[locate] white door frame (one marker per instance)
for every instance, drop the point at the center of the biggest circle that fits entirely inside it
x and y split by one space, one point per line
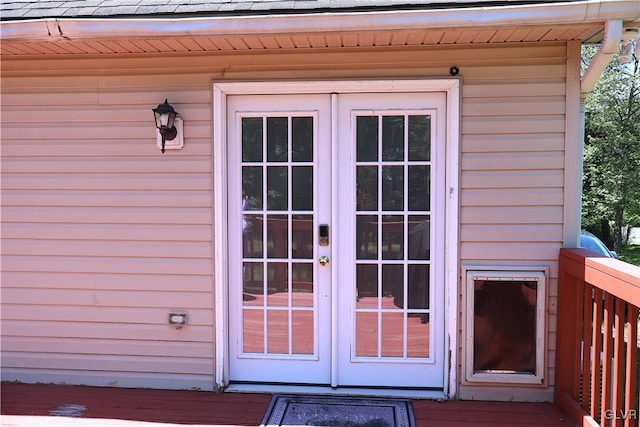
451 87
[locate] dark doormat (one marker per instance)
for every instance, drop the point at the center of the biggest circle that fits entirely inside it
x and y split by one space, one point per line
318 411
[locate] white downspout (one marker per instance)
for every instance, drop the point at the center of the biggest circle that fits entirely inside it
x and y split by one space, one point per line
610 45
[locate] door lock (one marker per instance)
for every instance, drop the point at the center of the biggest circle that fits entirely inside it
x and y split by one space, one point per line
323 235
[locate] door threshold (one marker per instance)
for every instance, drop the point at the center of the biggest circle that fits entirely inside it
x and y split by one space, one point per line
339 391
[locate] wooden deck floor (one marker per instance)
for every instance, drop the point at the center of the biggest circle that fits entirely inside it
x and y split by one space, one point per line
27 405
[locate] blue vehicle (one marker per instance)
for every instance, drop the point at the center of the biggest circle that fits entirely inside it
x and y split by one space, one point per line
592 243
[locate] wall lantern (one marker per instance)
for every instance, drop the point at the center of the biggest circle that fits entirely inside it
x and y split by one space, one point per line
169 126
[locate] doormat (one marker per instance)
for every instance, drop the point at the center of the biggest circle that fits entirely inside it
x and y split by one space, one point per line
319 411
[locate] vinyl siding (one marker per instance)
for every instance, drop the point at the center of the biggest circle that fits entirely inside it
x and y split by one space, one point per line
103 235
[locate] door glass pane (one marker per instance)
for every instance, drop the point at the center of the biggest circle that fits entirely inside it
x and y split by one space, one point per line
277 236
393 285
419 185
251 188
253 331
253 284
419 138
419 237
367 188
418 286
392 237
393 257
366 237
367 333
393 138
302 139
392 188
302 332
302 287
278 332
302 236
277 284
392 334
278 224
252 139
301 182
367 285
418 335
277 139
277 188
367 138
252 236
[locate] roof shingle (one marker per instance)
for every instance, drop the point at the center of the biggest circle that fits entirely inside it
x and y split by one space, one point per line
19 9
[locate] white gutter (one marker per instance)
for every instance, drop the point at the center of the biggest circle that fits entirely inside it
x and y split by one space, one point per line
608 48
537 14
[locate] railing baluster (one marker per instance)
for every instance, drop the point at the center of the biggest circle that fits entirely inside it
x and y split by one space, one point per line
595 354
607 349
587 322
631 382
618 359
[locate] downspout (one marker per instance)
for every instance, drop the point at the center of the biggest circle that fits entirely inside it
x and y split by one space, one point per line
609 47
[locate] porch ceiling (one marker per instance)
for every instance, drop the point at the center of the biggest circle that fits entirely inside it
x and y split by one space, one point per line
176 44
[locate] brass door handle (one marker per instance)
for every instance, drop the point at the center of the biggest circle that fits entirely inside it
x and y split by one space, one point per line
324 260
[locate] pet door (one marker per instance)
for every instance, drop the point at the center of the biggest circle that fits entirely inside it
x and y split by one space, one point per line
505 326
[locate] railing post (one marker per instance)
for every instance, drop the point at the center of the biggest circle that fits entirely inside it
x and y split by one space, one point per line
568 334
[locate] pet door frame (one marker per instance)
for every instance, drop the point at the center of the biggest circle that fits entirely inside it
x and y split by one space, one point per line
506 274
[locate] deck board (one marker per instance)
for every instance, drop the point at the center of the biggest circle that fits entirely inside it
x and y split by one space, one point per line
29 405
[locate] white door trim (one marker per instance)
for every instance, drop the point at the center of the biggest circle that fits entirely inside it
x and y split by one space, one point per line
220 239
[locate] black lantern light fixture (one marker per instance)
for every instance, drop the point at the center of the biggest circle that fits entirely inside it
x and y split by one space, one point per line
165 117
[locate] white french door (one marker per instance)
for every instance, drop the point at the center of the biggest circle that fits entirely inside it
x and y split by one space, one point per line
279 295
336 239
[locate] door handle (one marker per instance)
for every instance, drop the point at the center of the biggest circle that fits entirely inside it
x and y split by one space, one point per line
324 260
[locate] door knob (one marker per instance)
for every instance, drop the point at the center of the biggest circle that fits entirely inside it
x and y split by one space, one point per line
324 260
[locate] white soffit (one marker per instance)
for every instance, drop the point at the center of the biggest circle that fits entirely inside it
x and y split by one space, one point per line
224 43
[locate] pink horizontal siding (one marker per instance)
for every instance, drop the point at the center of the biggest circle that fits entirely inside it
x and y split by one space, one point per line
103 235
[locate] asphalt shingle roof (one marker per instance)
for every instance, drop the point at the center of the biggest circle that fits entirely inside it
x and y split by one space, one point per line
35 9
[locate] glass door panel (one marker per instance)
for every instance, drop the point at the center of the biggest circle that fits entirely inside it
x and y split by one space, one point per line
392 235
390 277
278 279
367 301
274 294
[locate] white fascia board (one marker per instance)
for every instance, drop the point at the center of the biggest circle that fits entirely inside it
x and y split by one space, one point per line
537 14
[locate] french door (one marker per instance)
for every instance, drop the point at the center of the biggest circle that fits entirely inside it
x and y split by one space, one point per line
336 239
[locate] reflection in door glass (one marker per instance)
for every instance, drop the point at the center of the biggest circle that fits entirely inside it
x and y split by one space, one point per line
252 139
392 138
302 137
367 138
278 289
251 188
302 236
393 188
277 139
419 138
277 236
277 188
367 188
301 183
